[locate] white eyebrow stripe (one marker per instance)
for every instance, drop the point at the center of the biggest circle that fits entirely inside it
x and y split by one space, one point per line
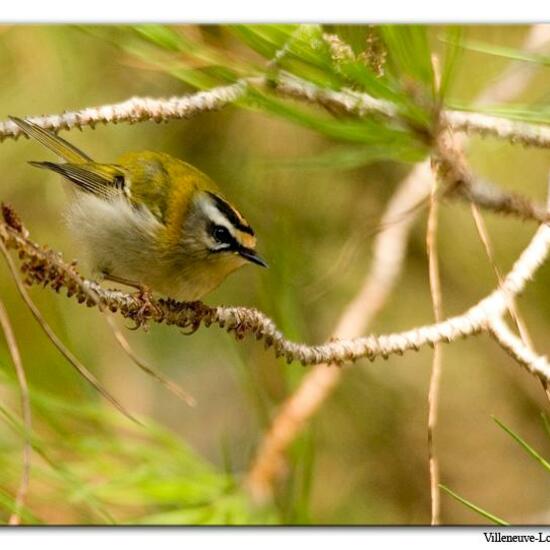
217 217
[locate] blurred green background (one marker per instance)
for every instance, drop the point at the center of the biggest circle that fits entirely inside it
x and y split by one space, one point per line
363 459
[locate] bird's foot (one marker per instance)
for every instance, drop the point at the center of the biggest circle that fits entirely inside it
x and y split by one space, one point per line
147 309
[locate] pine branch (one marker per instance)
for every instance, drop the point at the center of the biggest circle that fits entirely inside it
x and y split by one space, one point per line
47 268
140 109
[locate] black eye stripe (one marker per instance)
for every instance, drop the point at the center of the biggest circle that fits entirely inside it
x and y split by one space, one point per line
225 238
228 211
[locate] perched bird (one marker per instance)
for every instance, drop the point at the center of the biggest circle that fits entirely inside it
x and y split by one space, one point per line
150 220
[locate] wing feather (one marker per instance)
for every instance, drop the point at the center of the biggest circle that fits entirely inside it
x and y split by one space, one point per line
103 180
106 181
53 142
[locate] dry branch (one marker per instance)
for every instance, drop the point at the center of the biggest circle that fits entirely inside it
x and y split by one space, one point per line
524 355
47 268
437 360
485 240
514 131
135 109
139 109
459 182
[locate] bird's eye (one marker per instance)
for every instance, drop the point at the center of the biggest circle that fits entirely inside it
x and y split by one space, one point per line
221 234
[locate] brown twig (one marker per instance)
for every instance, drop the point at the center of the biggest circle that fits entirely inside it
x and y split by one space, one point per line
458 182
11 342
139 109
45 267
537 365
486 241
490 197
512 306
435 377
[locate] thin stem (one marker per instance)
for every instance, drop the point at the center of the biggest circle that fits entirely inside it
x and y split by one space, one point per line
46 268
140 109
435 378
82 370
486 241
523 355
170 385
512 306
26 408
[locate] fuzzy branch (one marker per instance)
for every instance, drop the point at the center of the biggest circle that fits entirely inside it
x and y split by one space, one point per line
536 135
47 268
523 354
139 109
459 182
345 101
135 109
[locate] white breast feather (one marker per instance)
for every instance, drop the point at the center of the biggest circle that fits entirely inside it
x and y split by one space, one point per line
118 237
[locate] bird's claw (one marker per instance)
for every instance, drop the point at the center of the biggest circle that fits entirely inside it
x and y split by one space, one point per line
148 308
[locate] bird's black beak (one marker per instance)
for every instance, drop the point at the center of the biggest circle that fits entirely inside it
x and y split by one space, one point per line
252 256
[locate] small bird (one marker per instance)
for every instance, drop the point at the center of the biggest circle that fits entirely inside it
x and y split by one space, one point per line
150 221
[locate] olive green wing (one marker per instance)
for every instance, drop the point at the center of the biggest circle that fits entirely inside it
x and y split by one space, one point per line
164 184
52 141
105 181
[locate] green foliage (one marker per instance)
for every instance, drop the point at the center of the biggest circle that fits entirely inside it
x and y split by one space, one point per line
487 515
454 37
347 157
110 470
304 51
502 51
526 447
534 111
409 53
